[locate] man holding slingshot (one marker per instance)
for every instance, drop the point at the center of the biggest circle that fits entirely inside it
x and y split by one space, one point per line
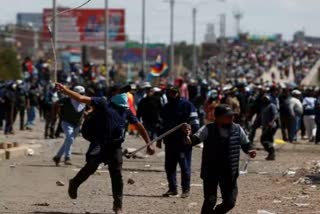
107 135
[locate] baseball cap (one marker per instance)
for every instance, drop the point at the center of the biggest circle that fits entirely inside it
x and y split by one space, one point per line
223 110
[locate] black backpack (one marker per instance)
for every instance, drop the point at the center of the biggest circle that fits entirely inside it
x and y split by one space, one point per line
92 127
88 130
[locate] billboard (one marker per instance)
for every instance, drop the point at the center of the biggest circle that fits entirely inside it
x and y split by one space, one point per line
134 55
27 19
86 25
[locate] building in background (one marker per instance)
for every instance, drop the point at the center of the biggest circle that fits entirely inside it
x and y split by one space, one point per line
33 20
210 36
300 37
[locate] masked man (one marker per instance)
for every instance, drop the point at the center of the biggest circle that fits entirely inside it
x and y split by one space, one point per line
108 130
177 150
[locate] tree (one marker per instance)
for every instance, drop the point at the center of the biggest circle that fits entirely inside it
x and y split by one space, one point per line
9 64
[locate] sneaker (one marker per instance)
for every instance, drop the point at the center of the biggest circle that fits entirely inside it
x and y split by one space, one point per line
117 210
170 193
185 194
271 157
72 190
56 160
68 162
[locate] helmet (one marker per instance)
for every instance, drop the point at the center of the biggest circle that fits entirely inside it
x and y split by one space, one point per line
79 89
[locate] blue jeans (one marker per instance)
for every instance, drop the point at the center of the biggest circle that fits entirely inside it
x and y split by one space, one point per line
172 159
71 133
298 122
292 129
31 115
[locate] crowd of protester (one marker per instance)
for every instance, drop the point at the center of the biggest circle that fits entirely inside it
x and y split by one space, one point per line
151 109
254 60
297 106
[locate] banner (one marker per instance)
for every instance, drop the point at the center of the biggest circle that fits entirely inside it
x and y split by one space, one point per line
86 25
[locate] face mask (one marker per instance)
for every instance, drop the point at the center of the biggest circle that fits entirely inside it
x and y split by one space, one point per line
120 100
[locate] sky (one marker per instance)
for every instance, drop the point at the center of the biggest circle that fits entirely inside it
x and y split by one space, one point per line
260 17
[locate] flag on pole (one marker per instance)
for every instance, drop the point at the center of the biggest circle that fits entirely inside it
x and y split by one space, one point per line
160 68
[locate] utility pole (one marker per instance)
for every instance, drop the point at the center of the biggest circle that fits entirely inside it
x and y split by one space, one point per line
35 41
222 46
106 39
54 36
171 36
144 54
194 57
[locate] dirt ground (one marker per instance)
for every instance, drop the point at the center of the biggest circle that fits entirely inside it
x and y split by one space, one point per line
28 183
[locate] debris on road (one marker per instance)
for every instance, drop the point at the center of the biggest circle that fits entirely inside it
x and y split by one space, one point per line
289 173
277 201
308 175
263 173
60 183
264 212
131 181
302 204
303 180
29 152
45 204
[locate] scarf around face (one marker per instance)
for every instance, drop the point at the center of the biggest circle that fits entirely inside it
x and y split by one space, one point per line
120 100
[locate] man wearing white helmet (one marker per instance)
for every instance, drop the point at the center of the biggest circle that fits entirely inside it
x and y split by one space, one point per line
296 111
71 112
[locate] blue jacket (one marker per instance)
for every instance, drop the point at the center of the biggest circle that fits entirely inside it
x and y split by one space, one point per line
174 113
